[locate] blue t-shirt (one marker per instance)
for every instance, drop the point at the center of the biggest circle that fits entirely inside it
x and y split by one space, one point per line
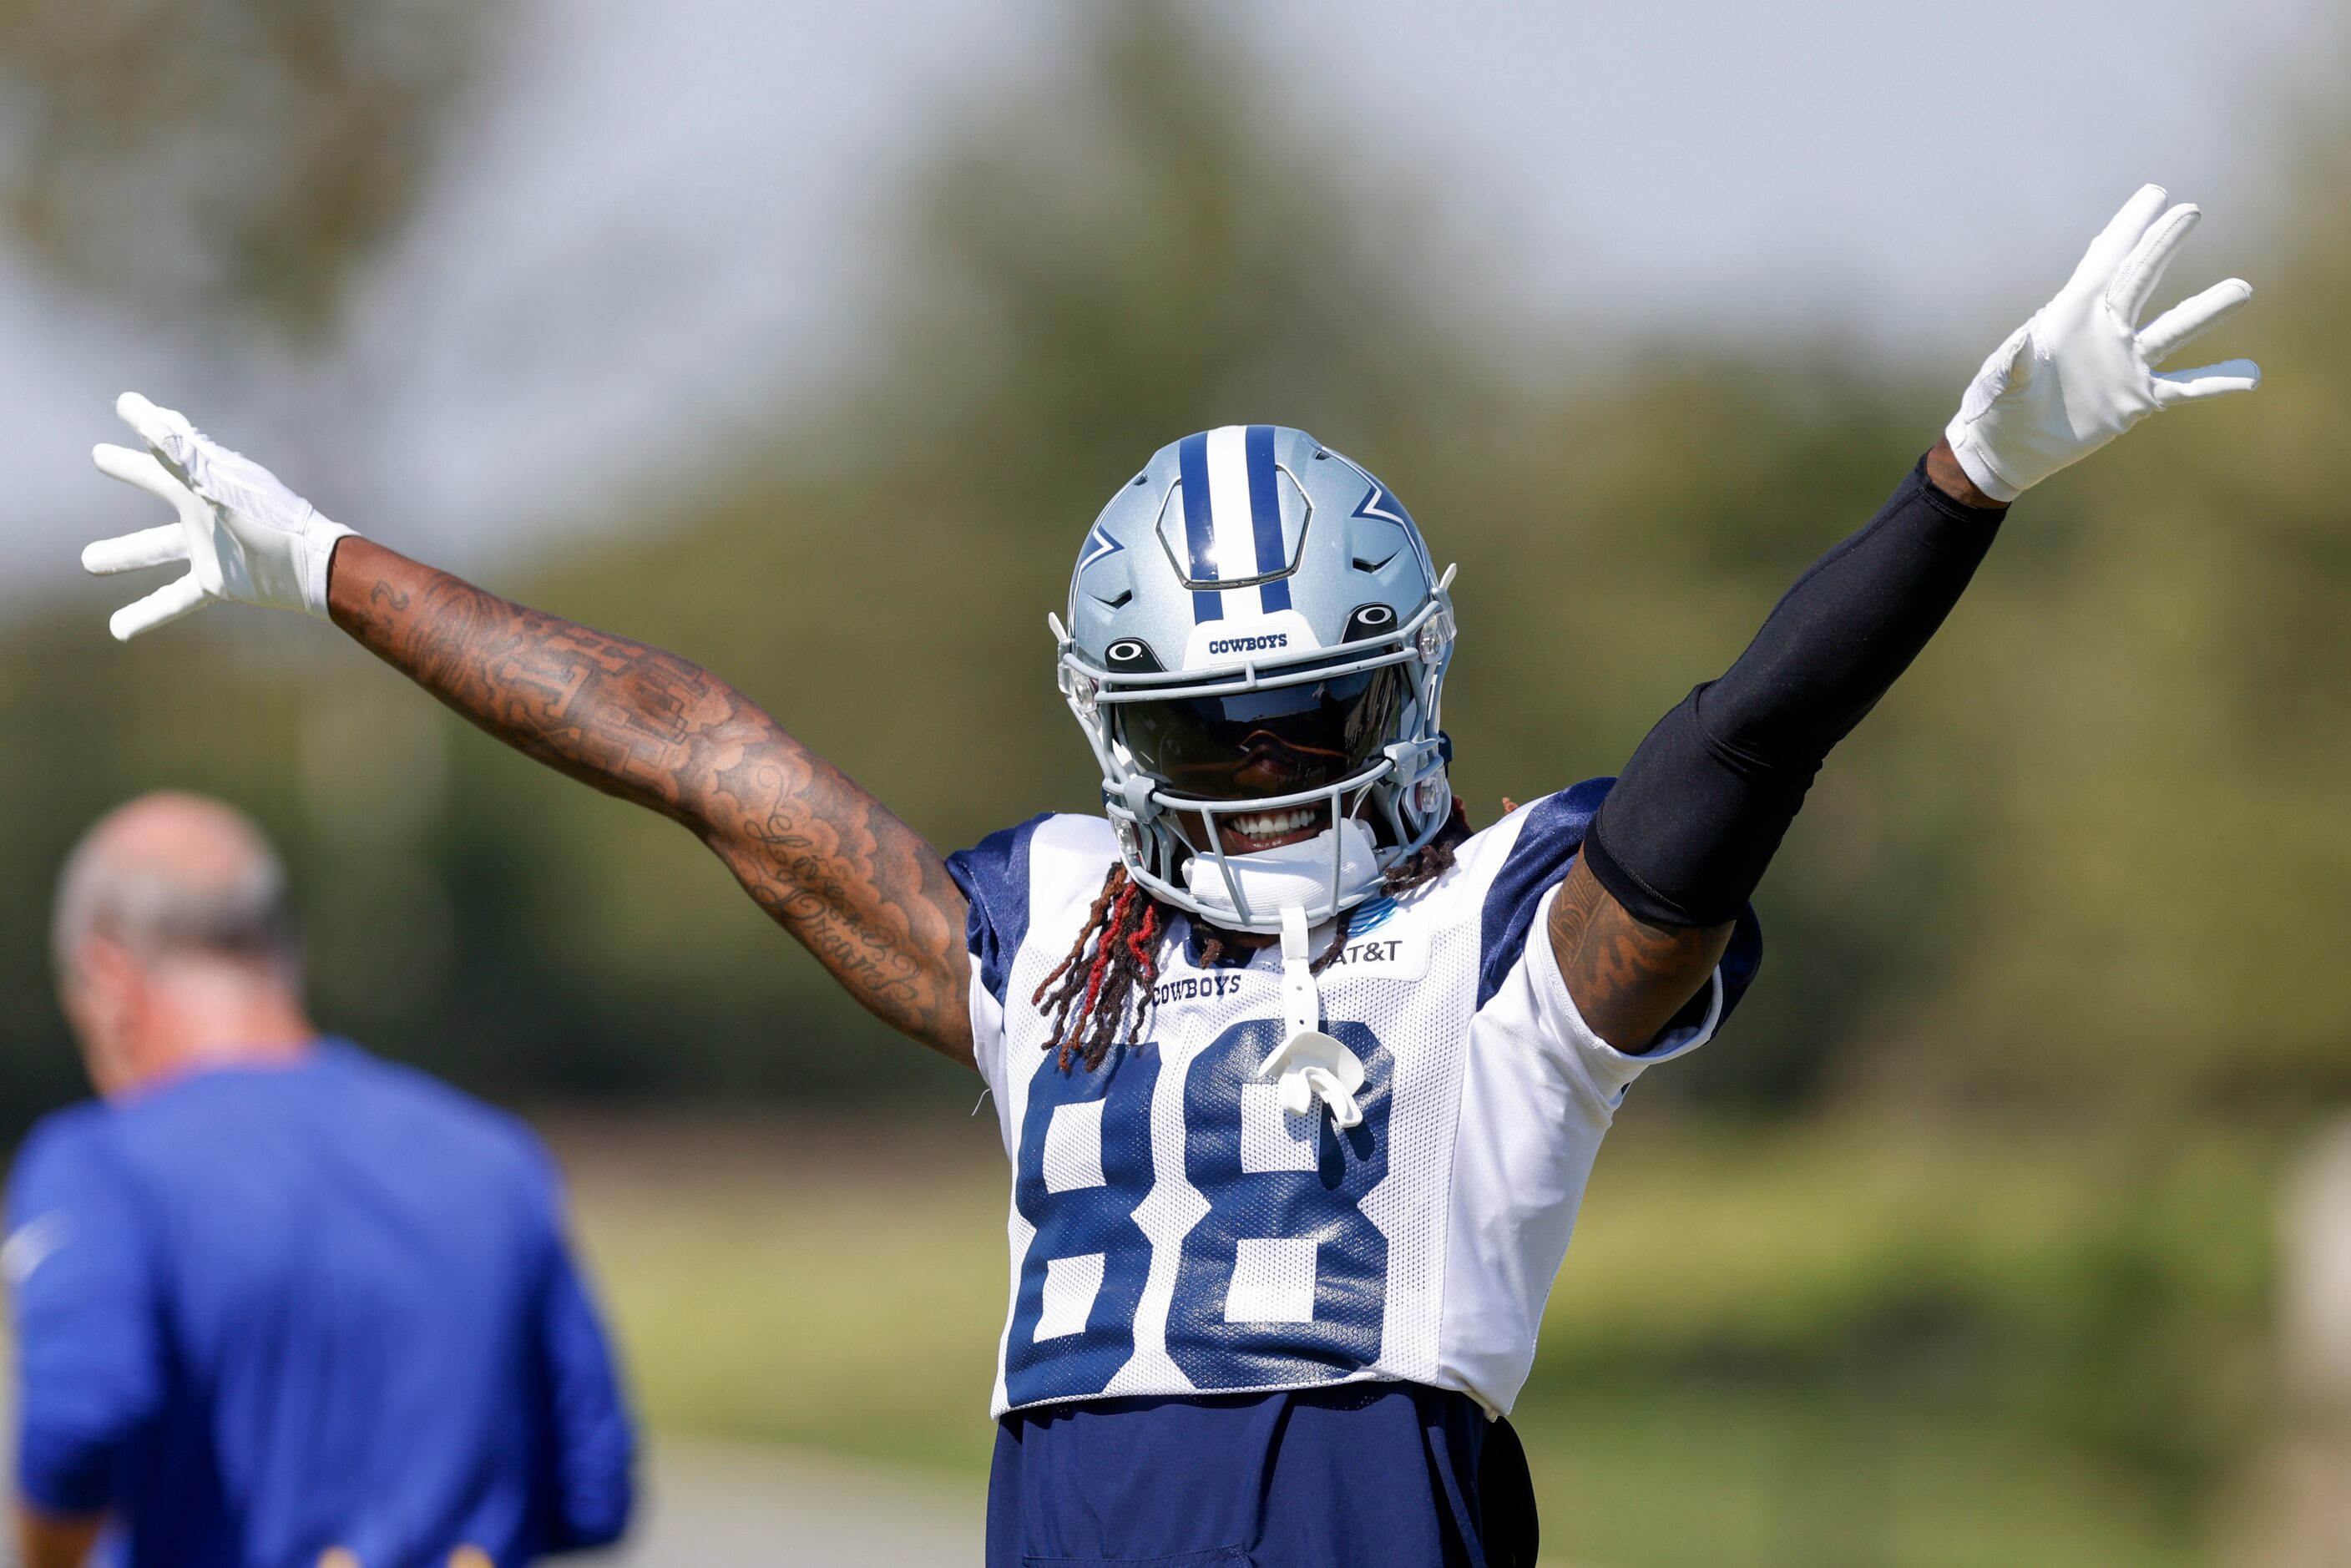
261 1312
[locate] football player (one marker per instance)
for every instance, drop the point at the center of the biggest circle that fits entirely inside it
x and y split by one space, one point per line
1299 1076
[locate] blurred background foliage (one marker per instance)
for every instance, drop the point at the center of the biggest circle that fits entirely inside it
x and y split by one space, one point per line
1826 1343
2089 852
147 156
1959 1249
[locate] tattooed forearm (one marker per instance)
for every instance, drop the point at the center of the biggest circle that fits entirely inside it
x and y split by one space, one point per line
1628 977
827 861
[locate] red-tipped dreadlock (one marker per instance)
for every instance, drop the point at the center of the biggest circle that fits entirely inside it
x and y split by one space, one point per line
1114 966
1089 998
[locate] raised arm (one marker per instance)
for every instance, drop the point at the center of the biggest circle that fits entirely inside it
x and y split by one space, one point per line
1648 908
857 886
831 863
1686 833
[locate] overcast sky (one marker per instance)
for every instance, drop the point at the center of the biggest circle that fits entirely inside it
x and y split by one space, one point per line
673 200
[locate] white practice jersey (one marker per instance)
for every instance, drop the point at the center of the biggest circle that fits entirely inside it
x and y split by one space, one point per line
1174 1231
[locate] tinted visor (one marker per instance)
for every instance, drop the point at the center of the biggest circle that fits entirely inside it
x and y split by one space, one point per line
1281 740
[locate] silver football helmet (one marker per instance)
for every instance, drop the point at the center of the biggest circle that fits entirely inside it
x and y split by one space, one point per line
1255 645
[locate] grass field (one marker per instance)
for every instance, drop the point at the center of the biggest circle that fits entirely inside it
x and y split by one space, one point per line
1836 1344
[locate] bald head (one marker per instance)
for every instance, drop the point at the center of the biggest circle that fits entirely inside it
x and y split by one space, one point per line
171 876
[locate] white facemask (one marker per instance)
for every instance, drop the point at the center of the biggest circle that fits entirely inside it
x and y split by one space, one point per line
1291 876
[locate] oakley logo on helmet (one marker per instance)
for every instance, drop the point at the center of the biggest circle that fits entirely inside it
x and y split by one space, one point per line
1131 655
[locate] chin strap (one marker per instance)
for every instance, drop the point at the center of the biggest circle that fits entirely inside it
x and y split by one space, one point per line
1309 1063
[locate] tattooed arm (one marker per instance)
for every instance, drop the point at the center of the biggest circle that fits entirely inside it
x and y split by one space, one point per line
1628 976
859 888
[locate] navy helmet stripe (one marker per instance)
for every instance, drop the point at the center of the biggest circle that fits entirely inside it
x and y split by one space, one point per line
1199 518
1199 524
1265 516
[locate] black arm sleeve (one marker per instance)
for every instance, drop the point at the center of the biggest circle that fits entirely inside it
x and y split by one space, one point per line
1683 837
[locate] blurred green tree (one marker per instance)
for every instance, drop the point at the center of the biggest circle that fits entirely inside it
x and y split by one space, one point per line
229 161
2158 913
1131 251
2089 848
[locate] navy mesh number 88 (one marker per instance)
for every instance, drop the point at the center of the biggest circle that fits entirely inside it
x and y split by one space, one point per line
1074 1320
1286 1273
1283 1280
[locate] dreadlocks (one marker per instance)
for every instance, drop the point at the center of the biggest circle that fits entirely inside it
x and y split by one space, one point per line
1111 968
1089 998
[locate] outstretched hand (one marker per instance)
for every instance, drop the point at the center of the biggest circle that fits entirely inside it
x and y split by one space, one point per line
2083 370
243 533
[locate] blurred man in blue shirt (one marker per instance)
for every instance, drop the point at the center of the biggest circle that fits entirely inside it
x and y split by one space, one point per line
277 1303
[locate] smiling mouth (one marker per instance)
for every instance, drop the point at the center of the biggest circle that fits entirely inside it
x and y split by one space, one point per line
1247 831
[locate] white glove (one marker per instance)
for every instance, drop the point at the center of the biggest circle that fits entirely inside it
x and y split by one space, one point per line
244 535
2081 372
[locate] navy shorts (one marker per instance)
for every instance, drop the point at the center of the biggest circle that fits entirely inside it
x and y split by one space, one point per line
1327 1478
